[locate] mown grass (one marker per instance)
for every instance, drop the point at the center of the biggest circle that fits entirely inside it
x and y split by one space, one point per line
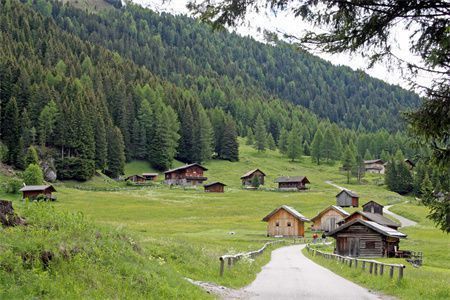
190 229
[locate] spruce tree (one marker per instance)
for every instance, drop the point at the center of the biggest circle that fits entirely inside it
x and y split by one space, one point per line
329 146
390 176
185 151
31 156
260 134
33 175
368 155
10 131
101 145
404 178
250 137
426 189
47 122
316 147
271 142
230 146
116 152
206 135
283 141
348 162
294 144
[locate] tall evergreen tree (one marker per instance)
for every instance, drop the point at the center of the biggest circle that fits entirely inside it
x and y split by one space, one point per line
283 141
271 142
116 152
329 146
317 147
31 156
294 144
206 135
230 146
348 162
47 122
101 145
250 137
185 148
11 131
260 134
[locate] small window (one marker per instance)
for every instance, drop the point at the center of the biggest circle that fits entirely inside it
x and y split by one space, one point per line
370 245
277 224
289 224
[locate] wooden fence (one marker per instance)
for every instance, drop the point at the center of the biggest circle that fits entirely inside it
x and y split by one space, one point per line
375 267
232 259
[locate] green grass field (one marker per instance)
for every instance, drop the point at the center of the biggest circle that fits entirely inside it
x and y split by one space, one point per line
189 229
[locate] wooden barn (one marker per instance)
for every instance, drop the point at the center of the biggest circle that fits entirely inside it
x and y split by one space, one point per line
138 179
150 176
285 222
374 166
328 219
186 175
292 183
33 191
347 198
374 217
214 187
361 238
373 207
248 178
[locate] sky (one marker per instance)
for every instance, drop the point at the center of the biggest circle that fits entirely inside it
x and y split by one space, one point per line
285 22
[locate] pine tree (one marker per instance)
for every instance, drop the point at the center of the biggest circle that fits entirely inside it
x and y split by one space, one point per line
230 146
47 122
390 176
250 137
294 144
316 147
329 146
206 135
283 141
359 168
11 132
368 155
271 142
185 151
404 178
31 156
426 189
33 175
101 145
260 134
116 152
384 156
419 177
348 162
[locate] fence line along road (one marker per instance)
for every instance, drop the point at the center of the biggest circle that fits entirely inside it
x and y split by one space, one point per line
375 267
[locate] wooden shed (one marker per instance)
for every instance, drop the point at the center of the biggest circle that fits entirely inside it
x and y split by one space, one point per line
248 178
292 183
328 219
285 221
33 191
360 238
380 219
215 187
374 166
373 207
150 176
138 179
191 174
347 198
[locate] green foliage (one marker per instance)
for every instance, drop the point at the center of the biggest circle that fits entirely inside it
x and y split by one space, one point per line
294 144
33 175
283 141
271 142
317 147
398 178
329 146
260 134
348 162
47 122
31 156
12 185
75 168
255 182
10 130
250 137
116 153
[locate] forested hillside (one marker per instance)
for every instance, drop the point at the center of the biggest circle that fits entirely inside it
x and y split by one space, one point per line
84 107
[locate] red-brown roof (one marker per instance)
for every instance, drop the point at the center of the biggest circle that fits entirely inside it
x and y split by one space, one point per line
186 167
251 172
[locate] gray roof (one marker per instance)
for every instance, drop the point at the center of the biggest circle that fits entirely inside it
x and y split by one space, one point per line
185 167
149 174
371 201
137 175
380 219
291 179
373 225
372 161
251 172
29 188
213 183
290 210
336 208
351 193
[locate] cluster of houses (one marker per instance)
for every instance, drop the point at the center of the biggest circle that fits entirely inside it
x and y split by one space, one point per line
193 175
366 233
378 166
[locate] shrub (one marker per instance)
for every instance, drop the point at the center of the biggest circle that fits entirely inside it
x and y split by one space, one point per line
33 175
12 185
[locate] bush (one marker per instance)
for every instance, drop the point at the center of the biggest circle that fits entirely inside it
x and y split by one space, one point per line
33 175
75 168
12 185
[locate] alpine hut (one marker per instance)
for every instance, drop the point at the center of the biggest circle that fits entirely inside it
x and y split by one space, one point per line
374 166
361 238
347 198
215 187
285 221
373 207
191 174
150 176
34 191
328 219
251 177
138 179
293 183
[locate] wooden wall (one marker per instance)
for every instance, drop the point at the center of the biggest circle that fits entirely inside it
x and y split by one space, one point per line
282 217
328 221
360 241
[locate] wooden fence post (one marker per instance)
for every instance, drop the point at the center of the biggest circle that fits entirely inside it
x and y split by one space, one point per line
391 272
356 263
222 263
230 263
371 268
381 269
400 273
376 269
364 265
350 262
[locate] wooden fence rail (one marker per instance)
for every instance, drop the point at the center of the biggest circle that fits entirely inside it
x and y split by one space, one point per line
374 267
232 259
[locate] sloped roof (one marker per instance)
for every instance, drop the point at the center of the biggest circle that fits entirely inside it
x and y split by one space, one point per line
371 201
372 161
373 225
137 175
214 183
251 172
290 210
37 188
149 174
186 167
407 160
351 193
333 207
380 219
292 179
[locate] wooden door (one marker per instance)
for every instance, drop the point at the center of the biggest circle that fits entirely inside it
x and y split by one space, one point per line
353 247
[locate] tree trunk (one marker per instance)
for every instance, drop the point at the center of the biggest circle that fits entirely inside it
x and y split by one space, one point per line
7 215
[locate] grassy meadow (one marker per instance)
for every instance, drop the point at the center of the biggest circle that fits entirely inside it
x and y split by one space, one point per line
188 229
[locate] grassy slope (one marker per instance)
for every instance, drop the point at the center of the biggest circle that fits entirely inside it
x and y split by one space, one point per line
190 229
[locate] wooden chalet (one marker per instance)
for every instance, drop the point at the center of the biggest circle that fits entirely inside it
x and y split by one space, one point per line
215 187
292 183
186 175
150 176
248 178
368 216
374 166
347 198
138 179
361 238
285 221
373 207
33 191
328 219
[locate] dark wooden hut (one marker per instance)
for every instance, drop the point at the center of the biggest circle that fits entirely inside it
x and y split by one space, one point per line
292 183
186 175
150 176
374 166
285 221
33 191
215 187
361 238
138 179
347 198
373 207
368 216
248 178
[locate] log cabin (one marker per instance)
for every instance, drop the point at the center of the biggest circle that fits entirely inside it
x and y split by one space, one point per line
376 166
188 175
373 207
138 179
328 219
248 178
150 176
347 198
33 191
367 216
361 238
285 221
215 187
294 183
